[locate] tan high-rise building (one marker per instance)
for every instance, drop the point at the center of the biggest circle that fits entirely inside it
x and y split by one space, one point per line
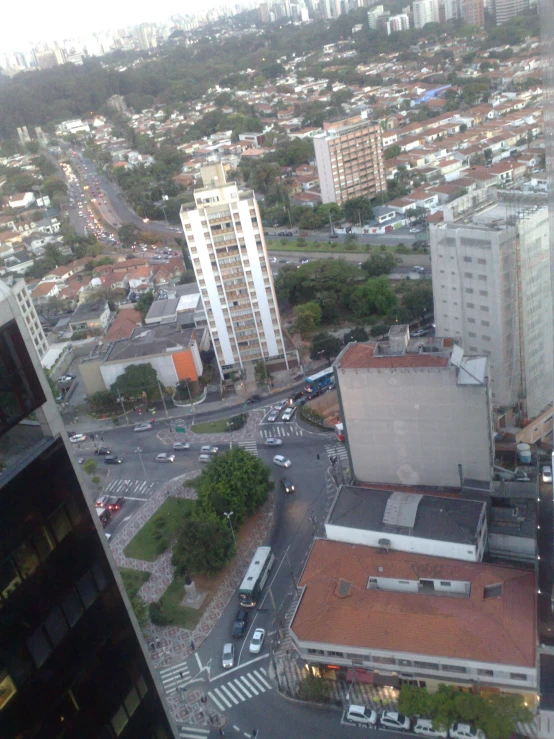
473 12
349 158
226 242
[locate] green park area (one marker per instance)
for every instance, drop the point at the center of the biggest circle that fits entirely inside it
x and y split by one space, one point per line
223 424
158 533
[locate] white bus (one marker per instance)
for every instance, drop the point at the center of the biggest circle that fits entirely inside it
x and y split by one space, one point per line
256 576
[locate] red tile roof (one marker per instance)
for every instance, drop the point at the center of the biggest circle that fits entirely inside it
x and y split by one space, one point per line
494 630
360 356
124 324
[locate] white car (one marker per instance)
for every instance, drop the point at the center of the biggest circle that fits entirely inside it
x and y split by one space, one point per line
143 427
177 445
415 230
424 727
281 461
207 449
361 715
270 441
257 641
288 414
272 416
280 405
77 437
394 720
273 260
228 656
547 474
465 731
164 457
418 268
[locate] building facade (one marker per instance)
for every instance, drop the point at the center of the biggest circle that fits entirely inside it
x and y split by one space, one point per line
425 11
491 289
400 22
415 412
226 242
505 10
473 12
72 662
350 161
29 315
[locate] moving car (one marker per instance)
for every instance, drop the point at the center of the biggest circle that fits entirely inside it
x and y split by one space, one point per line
296 396
361 715
278 459
287 485
207 449
272 416
102 450
116 503
74 438
417 268
143 427
228 656
280 405
547 474
241 622
178 445
418 332
165 457
257 641
394 720
102 502
112 460
415 230
288 414
271 441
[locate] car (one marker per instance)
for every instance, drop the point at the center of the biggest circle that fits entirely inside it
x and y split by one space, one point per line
272 441
301 401
257 641
418 332
114 504
424 727
281 233
302 261
207 449
273 260
315 394
254 398
180 445
75 438
420 244
165 457
415 230
112 460
287 485
102 450
361 715
102 502
228 656
418 268
143 427
281 461
296 396
240 624
283 261
80 460
288 414
394 720
66 378
547 474
464 731
272 416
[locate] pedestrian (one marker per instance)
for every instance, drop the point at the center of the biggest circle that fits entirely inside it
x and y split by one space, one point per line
221 732
152 646
181 675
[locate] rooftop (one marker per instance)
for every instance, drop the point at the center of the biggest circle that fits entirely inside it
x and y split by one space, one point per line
158 339
498 630
161 309
88 311
410 514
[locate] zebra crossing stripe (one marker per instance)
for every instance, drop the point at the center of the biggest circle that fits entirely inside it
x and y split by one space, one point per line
256 683
250 686
193 732
217 703
229 695
223 698
262 679
236 690
241 687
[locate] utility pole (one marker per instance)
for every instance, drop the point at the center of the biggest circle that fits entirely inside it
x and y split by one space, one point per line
163 399
277 618
120 398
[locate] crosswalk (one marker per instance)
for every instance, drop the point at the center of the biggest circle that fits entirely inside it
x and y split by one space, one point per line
240 689
193 732
175 677
130 488
336 450
250 446
280 430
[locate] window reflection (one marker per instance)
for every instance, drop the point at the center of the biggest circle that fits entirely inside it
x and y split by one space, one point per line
7 689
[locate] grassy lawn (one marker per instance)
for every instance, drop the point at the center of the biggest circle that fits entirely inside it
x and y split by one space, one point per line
133 580
211 427
157 534
337 247
174 613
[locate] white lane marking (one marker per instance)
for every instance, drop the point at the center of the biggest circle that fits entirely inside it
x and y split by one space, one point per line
262 679
248 694
237 691
253 679
251 687
223 698
218 704
240 667
229 695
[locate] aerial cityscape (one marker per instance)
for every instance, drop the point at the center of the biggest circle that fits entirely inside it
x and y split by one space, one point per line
277 371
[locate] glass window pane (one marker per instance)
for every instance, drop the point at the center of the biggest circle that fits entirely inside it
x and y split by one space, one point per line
55 626
72 608
120 721
43 543
99 576
7 689
9 579
132 701
60 523
40 647
26 559
141 687
73 509
87 590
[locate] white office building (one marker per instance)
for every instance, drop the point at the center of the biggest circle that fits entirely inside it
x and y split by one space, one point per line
425 11
226 242
30 316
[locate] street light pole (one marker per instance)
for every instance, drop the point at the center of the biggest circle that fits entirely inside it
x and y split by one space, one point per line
228 517
138 451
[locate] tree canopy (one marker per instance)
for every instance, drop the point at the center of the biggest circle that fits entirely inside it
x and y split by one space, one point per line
325 345
375 297
136 380
204 546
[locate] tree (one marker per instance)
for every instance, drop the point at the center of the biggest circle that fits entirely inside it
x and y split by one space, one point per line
262 374
315 689
380 264
204 546
392 151
325 345
136 380
129 234
144 303
54 185
307 317
358 210
235 481
416 300
90 466
357 333
376 297
414 701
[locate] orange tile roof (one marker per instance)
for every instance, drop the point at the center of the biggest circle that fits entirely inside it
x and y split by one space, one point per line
124 324
495 630
360 356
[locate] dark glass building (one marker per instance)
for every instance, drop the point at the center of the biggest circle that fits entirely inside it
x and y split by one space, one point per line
72 663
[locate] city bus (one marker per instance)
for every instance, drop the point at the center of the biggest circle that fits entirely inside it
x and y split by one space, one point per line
320 380
256 576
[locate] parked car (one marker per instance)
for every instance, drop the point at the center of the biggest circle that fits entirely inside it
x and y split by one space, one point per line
465 731
394 720
102 450
418 332
165 457
207 449
424 726
254 399
102 502
547 474
228 656
143 427
417 268
180 445
271 441
112 460
415 230
241 622
288 414
361 715
116 503
287 485
272 416
75 438
256 643
278 459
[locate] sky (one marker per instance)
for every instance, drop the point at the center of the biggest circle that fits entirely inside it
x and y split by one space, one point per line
42 21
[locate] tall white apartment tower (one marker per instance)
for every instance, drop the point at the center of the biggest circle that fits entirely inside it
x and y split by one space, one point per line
226 241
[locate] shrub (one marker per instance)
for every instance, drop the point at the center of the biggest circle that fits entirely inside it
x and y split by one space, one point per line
158 615
315 689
